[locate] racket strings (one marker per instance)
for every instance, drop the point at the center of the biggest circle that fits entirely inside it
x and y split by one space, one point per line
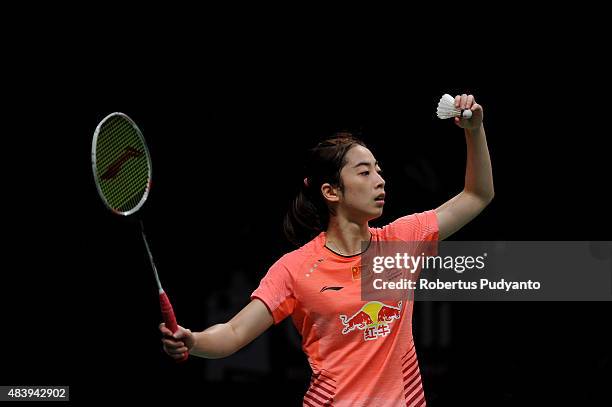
107 150
122 164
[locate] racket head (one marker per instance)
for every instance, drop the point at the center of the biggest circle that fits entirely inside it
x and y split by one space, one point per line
121 164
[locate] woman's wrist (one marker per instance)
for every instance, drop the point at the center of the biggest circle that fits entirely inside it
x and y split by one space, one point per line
194 345
475 130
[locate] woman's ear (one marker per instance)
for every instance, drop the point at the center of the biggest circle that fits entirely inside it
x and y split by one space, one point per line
330 193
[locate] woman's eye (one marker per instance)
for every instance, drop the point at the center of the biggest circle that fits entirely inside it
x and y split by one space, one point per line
365 173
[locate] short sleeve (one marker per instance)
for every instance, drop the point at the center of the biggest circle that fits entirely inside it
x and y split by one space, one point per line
276 291
419 227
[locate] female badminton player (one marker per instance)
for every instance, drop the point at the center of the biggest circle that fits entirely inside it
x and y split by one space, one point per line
361 353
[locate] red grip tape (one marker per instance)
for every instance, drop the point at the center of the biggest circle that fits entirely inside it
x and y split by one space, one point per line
169 317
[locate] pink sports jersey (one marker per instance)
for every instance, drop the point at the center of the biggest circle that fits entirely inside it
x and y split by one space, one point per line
361 352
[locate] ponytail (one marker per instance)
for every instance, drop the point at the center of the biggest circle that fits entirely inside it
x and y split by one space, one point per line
307 216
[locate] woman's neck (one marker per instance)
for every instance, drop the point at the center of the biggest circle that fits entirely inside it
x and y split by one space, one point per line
345 237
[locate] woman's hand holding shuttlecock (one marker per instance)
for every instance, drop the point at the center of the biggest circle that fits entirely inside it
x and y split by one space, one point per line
464 110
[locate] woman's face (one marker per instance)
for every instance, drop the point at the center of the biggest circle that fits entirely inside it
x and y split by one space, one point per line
363 195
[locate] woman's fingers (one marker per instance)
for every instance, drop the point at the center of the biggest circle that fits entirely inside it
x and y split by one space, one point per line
174 347
469 102
464 101
172 343
181 333
175 344
178 351
164 330
177 356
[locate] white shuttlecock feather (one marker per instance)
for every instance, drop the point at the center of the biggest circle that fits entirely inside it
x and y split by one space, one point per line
447 109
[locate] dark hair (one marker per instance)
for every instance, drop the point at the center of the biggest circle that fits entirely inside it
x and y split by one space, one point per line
309 214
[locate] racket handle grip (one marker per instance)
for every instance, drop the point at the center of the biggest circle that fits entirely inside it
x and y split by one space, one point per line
169 317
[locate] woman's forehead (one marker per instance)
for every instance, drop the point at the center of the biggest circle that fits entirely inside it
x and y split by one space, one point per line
359 154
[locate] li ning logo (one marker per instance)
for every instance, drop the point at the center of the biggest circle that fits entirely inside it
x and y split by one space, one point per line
113 170
374 319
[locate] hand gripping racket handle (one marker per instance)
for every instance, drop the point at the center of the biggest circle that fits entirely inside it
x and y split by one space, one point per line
169 318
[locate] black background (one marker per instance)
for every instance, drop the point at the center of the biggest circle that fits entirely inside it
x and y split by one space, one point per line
227 121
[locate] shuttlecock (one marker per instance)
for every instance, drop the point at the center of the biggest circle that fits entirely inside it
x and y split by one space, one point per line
447 109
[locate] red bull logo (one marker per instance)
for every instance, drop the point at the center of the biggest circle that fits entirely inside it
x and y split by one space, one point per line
373 319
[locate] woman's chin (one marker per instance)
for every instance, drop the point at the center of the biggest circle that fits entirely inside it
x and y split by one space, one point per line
377 214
